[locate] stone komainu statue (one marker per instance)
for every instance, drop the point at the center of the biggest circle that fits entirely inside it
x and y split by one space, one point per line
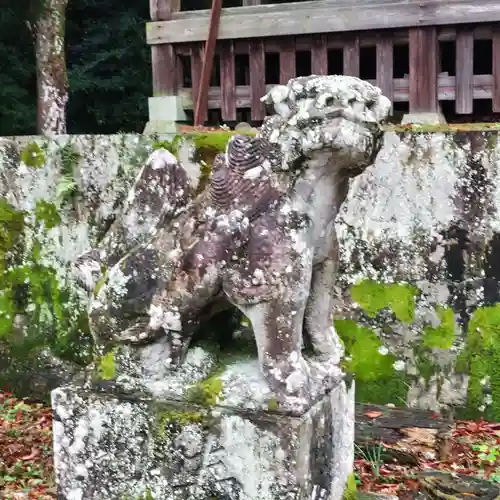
261 236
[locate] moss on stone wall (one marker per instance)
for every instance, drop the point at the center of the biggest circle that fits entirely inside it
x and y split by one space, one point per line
373 296
365 355
481 358
443 335
37 307
33 156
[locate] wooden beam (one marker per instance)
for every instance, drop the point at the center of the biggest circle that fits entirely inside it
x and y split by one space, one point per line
483 89
423 70
320 17
465 71
200 110
337 41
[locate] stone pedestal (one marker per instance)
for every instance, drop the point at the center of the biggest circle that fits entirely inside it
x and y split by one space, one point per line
164 113
117 443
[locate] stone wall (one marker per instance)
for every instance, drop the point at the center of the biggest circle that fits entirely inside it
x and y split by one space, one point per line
418 296
57 198
418 290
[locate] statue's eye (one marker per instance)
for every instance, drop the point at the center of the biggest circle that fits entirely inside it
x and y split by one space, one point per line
330 101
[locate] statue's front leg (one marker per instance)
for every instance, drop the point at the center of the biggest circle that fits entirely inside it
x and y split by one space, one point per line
270 285
319 313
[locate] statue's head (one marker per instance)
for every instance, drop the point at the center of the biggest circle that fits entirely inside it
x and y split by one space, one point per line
335 115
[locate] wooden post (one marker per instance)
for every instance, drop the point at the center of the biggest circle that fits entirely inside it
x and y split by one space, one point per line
496 70
423 90
464 84
162 55
385 67
257 79
228 81
319 55
351 57
287 60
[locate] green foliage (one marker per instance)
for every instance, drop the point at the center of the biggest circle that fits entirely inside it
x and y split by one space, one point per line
362 347
351 488
67 188
373 296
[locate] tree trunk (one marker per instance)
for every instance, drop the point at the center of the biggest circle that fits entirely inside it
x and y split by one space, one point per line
52 79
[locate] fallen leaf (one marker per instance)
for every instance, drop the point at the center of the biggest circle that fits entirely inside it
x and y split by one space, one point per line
372 413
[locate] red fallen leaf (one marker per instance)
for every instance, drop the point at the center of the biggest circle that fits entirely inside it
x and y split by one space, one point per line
32 455
372 413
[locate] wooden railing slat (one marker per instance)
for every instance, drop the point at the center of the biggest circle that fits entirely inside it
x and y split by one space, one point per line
351 57
287 60
446 84
465 71
423 70
257 79
319 55
496 70
196 65
385 67
228 81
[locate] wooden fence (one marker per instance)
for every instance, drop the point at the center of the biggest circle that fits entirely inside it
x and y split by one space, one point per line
433 51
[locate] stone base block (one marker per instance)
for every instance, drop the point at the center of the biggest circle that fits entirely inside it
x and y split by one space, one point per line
424 119
164 113
130 446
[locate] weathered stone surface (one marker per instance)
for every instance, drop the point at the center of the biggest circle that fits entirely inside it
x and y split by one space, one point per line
418 286
115 447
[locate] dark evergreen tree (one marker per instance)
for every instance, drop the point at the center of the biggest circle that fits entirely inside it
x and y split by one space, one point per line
108 64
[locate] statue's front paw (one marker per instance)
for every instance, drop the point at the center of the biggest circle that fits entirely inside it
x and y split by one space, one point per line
290 379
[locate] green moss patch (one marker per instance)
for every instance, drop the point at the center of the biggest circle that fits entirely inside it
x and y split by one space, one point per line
482 356
442 336
362 346
444 127
106 368
205 393
38 309
373 296
33 156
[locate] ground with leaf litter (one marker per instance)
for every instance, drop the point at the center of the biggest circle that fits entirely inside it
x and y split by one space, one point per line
26 469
